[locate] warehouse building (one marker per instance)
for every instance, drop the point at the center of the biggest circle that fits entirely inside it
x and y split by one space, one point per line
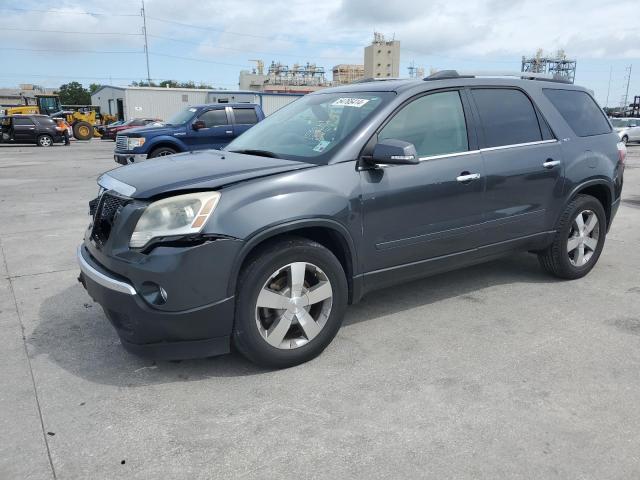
163 103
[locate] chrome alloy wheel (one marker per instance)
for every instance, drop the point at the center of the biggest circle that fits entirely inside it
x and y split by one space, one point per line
293 305
45 141
583 238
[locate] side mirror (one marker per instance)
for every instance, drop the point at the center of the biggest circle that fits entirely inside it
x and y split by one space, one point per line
198 124
395 152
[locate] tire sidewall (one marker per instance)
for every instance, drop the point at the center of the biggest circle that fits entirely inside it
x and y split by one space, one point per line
256 276
579 206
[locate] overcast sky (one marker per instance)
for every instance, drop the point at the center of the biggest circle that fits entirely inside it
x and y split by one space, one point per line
217 39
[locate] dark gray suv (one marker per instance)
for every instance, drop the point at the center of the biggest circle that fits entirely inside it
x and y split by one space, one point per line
345 191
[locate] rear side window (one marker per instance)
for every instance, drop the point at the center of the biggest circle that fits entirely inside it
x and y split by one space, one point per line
214 118
507 117
434 123
579 110
245 116
45 121
22 121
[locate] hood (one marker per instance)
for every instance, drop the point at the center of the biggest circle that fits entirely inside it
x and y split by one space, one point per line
192 171
156 129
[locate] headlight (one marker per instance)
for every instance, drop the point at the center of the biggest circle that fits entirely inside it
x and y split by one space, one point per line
180 215
134 142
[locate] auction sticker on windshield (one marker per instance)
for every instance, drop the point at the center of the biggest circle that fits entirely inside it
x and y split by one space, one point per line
350 102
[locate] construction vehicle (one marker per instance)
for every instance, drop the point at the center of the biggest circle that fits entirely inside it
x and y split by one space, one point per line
82 118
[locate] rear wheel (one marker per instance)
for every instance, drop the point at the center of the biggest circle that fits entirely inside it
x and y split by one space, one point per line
82 130
162 152
291 299
45 141
579 240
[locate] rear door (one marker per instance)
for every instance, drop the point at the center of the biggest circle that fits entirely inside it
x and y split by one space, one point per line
243 119
523 164
24 130
218 131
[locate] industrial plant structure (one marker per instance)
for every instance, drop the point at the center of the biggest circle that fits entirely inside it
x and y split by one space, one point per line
559 65
280 78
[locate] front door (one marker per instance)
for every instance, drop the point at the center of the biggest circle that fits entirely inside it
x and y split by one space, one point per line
217 131
24 130
414 213
523 163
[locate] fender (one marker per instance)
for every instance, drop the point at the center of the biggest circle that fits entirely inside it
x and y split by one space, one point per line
176 143
274 230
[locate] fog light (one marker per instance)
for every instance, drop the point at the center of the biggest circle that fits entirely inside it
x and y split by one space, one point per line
153 293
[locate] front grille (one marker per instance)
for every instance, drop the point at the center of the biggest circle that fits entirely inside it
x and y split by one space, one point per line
105 215
122 142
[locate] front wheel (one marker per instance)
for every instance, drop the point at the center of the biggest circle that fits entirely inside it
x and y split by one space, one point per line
290 302
162 152
578 241
82 130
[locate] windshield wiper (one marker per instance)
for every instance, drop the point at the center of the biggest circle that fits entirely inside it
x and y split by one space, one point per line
260 153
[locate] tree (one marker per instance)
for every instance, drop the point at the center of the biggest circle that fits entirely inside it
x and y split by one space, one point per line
73 93
93 88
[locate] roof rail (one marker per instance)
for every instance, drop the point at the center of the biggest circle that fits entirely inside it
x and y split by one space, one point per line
524 75
372 79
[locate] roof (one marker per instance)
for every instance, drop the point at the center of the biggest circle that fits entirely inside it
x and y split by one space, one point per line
403 85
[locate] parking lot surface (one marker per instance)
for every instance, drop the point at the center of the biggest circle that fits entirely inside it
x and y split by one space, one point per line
494 371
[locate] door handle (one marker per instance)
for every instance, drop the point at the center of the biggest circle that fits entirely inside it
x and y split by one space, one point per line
466 177
229 132
551 163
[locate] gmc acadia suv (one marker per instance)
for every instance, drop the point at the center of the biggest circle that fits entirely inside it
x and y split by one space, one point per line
345 191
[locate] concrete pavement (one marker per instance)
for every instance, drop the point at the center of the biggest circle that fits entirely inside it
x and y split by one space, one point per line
494 371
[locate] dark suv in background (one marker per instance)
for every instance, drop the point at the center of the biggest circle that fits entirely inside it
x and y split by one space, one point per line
35 129
345 191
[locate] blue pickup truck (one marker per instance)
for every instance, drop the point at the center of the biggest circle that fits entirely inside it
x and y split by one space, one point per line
195 128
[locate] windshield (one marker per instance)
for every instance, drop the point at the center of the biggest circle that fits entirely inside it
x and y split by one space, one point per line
619 122
311 127
182 117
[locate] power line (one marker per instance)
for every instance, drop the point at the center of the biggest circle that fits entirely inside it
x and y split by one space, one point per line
66 31
275 54
58 50
242 34
198 60
70 12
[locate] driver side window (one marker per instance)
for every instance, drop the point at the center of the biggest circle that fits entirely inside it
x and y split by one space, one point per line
434 123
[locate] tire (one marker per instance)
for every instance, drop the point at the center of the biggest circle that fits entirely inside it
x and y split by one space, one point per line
625 139
162 152
83 131
45 141
299 342
562 262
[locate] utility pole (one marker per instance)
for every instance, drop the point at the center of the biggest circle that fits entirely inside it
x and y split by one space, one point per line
626 94
606 104
146 44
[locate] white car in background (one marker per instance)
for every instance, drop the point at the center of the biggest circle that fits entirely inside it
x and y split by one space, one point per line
628 129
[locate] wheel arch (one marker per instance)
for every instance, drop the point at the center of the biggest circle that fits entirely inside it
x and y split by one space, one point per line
166 142
328 233
600 189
